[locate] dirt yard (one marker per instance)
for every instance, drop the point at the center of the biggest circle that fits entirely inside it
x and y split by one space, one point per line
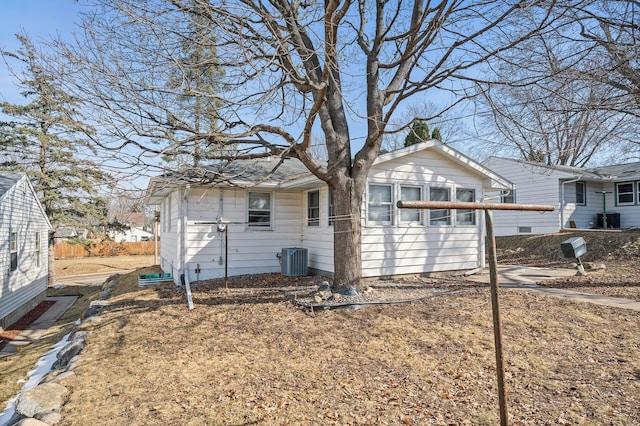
250 355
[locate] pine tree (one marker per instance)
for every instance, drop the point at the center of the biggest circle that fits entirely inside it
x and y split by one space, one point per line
45 138
436 134
419 133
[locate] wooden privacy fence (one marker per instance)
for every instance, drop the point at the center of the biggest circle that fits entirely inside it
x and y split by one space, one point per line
103 248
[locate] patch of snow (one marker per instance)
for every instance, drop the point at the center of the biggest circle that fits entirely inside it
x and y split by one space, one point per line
35 376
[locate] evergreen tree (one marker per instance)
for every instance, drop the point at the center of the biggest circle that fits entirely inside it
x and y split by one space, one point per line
436 134
44 139
419 133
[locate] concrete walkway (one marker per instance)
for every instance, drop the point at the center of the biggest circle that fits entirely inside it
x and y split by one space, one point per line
526 277
41 325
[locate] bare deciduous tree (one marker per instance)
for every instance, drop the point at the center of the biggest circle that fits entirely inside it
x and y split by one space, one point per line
290 68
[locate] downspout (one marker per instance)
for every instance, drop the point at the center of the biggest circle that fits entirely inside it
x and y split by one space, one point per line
185 217
562 201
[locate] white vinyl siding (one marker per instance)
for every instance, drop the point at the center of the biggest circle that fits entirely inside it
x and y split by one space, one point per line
25 279
422 248
534 185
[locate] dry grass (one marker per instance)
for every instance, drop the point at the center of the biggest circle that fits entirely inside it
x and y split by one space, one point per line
253 357
92 265
15 367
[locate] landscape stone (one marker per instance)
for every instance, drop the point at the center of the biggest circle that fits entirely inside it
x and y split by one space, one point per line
51 418
29 421
64 379
69 351
41 400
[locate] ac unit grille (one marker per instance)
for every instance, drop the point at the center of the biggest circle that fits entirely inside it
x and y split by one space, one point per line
294 261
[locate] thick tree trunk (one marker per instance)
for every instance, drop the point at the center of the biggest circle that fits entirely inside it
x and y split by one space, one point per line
347 256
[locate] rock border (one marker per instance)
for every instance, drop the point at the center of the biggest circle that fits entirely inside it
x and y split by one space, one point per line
41 405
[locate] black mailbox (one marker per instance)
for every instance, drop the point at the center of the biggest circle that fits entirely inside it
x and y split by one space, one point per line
574 247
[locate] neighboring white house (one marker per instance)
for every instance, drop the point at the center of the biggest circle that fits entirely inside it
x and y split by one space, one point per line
292 208
24 233
132 235
584 198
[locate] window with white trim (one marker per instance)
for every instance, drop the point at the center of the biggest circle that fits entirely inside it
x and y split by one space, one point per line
508 197
313 208
380 205
625 193
581 194
13 250
440 216
465 216
259 210
410 193
37 251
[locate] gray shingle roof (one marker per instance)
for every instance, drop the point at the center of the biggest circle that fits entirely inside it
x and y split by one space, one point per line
7 180
243 171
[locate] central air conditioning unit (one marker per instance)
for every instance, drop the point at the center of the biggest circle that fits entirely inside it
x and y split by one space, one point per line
294 261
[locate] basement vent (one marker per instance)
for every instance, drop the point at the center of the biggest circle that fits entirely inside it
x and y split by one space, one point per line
294 261
524 229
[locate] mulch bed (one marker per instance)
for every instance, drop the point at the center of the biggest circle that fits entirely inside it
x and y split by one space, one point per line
23 323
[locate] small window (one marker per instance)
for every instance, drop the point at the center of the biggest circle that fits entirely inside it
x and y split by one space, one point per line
332 213
443 216
37 252
581 196
465 216
410 193
508 197
625 193
380 204
13 249
313 208
524 229
259 210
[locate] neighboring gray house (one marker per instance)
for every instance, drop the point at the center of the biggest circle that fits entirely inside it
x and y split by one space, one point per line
24 232
584 198
292 208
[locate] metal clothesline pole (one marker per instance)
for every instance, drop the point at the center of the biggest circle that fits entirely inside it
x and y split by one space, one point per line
493 273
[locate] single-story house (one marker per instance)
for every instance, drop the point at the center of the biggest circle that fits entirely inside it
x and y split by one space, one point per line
132 235
24 233
584 198
291 208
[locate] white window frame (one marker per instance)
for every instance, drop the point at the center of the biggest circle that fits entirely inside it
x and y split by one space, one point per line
410 212
37 249
13 251
583 185
466 212
260 226
331 212
447 216
508 196
632 192
387 204
313 211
